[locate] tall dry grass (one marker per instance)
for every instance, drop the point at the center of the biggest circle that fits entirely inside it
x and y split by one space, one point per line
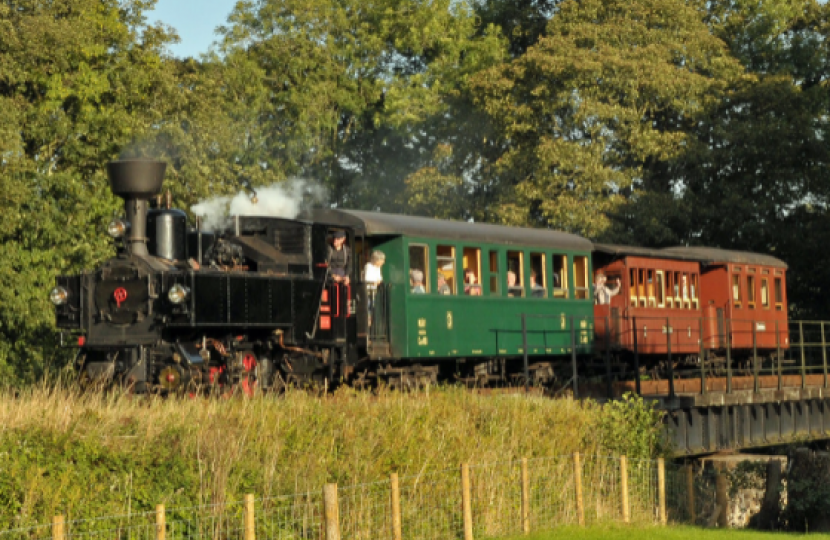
85 455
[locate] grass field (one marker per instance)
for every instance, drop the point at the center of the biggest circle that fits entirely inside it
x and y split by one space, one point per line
663 533
90 455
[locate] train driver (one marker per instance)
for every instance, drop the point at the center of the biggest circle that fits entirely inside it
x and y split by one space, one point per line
602 293
339 258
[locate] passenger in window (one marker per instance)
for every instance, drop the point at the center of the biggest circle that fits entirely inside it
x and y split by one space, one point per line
536 290
603 294
339 258
443 288
470 286
417 282
513 288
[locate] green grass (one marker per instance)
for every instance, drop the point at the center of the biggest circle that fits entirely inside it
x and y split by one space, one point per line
90 455
661 533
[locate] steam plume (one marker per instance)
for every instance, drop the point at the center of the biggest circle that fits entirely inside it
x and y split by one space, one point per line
283 200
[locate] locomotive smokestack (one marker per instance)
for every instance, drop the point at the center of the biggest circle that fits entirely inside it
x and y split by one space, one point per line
136 181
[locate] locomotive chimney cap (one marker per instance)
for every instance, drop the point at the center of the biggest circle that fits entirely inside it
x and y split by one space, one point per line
136 178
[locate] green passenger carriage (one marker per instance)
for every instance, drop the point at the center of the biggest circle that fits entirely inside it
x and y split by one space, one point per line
473 331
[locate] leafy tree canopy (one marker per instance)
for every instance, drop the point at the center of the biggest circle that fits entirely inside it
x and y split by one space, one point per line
611 89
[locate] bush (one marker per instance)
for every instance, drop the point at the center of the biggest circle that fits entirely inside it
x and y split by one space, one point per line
632 427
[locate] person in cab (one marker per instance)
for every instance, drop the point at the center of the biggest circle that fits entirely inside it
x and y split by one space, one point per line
339 258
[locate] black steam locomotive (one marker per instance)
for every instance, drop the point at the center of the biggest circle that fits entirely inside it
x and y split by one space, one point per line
180 309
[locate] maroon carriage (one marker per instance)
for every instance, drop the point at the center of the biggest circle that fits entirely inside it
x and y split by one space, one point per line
743 294
658 306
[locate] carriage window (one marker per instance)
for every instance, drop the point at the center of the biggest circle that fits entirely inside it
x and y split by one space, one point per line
560 276
494 273
750 291
693 290
445 269
736 290
779 294
538 277
669 290
471 258
765 293
685 292
632 276
642 294
581 277
651 299
515 273
660 291
418 269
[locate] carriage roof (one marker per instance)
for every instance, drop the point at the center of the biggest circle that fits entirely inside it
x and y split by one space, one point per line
381 224
709 255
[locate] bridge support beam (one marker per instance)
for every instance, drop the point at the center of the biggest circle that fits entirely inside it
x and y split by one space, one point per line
703 426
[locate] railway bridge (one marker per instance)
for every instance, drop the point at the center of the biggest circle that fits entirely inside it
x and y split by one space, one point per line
755 412
728 399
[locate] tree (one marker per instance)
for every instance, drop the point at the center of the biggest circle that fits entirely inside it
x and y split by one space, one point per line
754 173
608 92
342 87
79 80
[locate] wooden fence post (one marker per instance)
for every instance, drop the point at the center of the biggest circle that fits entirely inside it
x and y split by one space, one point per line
690 494
624 488
661 488
58 532
580 510
331 512
525 498
250 529
397 530
161 525
466 502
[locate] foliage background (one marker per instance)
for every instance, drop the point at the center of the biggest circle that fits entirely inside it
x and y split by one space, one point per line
653 122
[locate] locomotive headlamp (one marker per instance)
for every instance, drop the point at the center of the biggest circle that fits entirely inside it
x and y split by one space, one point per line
177 293
59 296
117 228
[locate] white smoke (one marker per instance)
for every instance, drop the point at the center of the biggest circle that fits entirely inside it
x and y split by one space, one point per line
283 200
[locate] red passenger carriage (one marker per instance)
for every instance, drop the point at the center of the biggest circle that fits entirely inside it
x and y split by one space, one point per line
743 293
658 305
684 301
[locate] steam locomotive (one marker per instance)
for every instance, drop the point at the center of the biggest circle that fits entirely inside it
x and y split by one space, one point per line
254 306
249 315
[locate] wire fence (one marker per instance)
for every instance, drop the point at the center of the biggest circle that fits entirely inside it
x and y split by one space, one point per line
476 501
